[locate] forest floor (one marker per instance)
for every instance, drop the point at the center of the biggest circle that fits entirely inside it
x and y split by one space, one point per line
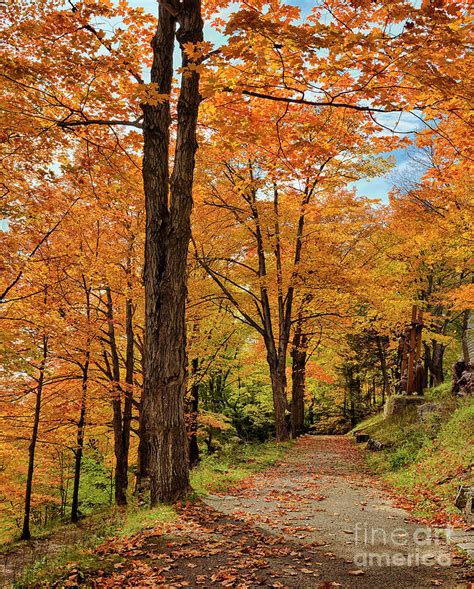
315 519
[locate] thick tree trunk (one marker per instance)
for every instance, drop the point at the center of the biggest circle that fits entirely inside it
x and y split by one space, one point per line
26 533
298 374
78 452
168 232
278 380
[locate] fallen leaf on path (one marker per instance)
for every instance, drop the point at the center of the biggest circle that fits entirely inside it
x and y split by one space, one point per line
356 572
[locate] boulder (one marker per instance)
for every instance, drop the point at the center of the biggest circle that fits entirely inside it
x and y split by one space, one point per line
399 404
424 412
464 501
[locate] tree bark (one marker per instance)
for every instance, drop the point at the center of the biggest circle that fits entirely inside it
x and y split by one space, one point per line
278 380
81 424
128 400
193 417
433 359
383 367
168 204
26 533
113 370
298 374
78 452
437 368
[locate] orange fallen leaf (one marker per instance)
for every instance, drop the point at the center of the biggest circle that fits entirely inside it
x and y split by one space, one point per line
356 572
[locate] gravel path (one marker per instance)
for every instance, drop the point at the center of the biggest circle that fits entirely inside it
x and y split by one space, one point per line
314 520
321 494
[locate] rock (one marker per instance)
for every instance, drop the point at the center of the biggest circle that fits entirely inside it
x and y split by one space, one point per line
375 445
423 412
464 498
399 404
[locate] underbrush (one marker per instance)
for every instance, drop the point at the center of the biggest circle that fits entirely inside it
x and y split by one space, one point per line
72 564
219 472
426 461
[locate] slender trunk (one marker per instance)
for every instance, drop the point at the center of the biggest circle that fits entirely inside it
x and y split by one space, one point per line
123 442
467 337
129 373
427 366
193 417
354 389
78 452
26 533
81 424
383 367
143 458
433 359
142 451
437 363
168 204
113 367
298 374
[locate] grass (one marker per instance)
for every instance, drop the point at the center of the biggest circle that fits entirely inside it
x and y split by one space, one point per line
218 473
74 563
426 462
71 566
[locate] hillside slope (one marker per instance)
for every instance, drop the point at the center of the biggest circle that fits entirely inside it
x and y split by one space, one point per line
426 461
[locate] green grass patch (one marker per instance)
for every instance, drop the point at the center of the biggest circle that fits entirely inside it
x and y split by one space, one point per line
217 473
73 565
425 462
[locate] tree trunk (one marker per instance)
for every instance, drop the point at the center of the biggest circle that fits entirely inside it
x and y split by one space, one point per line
193 418
142 458
124 423
113 371
81 426
383 367
427 366
298 379
353 386
468 319
26 533
168 206
433 359
437 363
278 380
